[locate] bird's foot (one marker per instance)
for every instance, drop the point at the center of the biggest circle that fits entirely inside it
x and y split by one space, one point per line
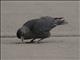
38 42
23 42
31 41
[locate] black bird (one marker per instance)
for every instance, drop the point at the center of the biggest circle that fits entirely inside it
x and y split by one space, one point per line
39 28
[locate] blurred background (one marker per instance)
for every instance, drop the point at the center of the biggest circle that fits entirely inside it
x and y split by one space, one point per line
15 13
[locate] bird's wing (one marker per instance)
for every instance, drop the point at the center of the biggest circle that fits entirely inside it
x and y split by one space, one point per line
43 26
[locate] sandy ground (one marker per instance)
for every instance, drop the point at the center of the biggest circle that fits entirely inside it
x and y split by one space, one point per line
15 14
53 48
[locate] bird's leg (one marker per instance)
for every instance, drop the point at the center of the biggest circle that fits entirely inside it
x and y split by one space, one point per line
32 41
22 39
39 40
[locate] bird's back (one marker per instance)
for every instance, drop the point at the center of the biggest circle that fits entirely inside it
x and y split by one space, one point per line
43 25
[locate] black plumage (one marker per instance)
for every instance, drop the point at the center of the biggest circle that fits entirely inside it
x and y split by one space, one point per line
39 28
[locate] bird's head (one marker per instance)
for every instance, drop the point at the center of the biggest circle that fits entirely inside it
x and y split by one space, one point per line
60 21
19 33
22 32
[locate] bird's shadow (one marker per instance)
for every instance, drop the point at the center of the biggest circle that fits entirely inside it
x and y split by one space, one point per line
26 42
41 42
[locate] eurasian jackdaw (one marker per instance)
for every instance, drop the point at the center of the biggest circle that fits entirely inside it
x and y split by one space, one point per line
39 28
